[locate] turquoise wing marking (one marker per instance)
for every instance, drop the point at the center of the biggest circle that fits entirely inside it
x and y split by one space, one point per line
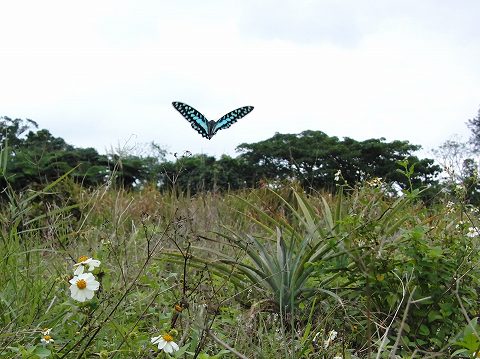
230 118
196 119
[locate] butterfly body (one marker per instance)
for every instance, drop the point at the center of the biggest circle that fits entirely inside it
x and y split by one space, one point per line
209 128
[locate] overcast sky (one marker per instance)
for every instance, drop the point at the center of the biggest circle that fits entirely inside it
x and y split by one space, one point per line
104 73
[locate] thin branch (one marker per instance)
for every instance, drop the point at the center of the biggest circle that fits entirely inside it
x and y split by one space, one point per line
225 345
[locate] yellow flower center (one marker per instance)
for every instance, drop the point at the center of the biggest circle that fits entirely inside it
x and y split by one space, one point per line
47 337
167 337
82 259
81 284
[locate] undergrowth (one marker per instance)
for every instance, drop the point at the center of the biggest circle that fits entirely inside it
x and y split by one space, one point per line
253 274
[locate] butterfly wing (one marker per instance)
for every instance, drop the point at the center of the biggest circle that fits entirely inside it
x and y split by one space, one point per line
196 119
230 118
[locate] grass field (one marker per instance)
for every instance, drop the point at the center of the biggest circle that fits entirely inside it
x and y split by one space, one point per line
252 274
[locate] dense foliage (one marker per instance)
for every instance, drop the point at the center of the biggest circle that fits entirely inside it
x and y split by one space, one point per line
311 158
251 274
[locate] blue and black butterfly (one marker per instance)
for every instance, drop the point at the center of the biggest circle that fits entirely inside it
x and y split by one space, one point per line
208 128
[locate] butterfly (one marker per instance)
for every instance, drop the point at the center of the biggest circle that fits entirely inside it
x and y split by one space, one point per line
209 128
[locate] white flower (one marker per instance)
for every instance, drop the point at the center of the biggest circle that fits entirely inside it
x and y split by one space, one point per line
337 175
83 287
165 342
337 357
316 336
46 339
85 261
331 336
450 207
472 232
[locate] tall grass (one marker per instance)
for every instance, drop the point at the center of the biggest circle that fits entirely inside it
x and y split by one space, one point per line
254 274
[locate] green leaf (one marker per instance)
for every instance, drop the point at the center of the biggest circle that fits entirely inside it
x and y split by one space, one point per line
459 351
42 352
434 315
420 341
435 252
423 330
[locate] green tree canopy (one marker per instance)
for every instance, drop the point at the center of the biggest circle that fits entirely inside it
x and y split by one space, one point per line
313 158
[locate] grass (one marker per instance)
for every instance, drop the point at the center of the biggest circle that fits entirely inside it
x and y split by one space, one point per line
252 274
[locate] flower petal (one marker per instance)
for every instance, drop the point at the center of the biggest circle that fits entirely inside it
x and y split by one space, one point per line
92 263
78 270
155 340
168 347
174 346
86 276
80 295
88 294
93 285
161 343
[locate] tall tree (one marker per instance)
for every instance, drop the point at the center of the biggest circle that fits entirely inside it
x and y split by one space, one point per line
11 131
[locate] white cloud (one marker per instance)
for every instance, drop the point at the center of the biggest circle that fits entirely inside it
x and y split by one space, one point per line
98 73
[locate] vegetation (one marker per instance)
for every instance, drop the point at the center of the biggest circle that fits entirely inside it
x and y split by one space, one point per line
257 271
311 158
317 263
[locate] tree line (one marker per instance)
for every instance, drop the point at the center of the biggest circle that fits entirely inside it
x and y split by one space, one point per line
312 158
